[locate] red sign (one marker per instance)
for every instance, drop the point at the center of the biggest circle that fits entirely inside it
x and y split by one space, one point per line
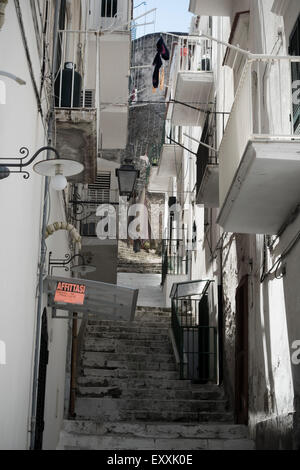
69 293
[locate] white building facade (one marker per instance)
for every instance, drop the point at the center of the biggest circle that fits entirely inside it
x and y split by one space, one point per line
38 39
233 107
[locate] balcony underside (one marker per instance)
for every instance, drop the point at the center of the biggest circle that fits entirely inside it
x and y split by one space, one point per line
265 188
170 160
192 88
113 127
158 184
76 139
208 194
211 7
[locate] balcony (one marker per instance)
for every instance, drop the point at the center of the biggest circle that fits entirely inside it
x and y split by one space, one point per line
208 183
211 7
169 166
260 151
76 104
191 81
91 96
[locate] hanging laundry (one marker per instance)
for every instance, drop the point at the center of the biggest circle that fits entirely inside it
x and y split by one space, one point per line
162 79
162 49
157 65
162 52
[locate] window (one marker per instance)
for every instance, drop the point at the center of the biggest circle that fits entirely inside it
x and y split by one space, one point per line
109 8
294 49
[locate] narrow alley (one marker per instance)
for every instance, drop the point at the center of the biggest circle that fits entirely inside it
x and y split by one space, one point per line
150 228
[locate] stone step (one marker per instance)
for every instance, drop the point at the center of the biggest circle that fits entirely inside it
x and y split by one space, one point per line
128 328
150 383
94 361
149 323
150 393
130 336
85 409
131 346
157 430
91 406
100 357
130 374
94 442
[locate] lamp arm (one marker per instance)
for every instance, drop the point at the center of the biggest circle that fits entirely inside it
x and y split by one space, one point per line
25 151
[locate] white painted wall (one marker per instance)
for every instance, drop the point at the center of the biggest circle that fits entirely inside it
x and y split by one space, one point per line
273 305
21 209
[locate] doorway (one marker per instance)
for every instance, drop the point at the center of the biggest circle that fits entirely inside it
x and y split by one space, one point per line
241 353
40 407
294 49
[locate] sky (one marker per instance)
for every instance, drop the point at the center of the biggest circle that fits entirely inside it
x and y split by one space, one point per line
171 15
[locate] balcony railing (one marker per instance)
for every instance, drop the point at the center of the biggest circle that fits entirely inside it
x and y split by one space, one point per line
174 264
192 54
196 340
77 78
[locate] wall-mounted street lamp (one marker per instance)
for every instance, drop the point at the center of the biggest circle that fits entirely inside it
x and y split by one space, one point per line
83 267
57 167
127 176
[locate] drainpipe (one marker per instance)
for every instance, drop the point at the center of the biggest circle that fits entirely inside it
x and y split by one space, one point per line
221 318
43 246
3 4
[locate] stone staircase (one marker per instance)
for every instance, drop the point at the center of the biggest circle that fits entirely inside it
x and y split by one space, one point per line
129 395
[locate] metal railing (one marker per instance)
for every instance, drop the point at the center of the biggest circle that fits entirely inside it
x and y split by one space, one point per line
190 54
174 264
77 77
196 341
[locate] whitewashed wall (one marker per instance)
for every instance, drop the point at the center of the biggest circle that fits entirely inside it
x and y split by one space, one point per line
274 321
21 208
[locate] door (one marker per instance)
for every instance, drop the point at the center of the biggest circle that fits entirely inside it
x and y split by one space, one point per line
203 341
241 353
39 427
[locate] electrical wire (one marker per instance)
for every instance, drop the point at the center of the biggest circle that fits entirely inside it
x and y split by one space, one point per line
278 262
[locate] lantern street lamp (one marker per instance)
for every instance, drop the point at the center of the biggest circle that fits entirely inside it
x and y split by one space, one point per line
127 176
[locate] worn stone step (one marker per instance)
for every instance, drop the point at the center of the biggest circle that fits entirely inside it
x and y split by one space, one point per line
96 362
126 356
130 335
128 328
153 310
123 391
85 410
129 374
88 406
150 323
150 383
122 346
157 430
95 442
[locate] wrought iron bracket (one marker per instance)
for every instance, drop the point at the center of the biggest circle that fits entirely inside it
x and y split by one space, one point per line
19 163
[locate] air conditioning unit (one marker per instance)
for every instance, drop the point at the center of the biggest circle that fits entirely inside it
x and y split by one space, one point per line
87 99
